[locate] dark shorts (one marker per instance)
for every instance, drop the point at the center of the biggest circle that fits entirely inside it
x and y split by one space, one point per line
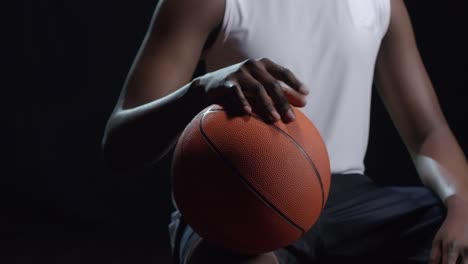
361 222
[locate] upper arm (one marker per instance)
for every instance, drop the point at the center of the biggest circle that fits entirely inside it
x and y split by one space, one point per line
171 49
403 83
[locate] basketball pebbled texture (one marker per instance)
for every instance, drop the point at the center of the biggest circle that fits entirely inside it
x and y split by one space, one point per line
248 186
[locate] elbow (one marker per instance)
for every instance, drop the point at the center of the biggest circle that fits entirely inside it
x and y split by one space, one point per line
113 151
107 154
123 147
110 153
115 155
128 144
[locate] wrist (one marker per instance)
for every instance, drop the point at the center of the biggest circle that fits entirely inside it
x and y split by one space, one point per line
456 200
195 96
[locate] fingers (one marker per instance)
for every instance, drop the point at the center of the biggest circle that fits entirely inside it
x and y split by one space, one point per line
283 74
280 95
256 85
436 253
450 253
275 91
239 96
256 93
464 254
294 98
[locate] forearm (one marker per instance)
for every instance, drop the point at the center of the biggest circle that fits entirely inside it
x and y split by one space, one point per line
147 132
441 164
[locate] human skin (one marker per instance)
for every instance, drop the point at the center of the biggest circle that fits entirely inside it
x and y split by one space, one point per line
159 98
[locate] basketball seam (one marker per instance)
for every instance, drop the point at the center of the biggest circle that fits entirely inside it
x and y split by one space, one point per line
245 181
311 162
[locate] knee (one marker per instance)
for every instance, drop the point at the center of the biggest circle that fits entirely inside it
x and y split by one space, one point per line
203 253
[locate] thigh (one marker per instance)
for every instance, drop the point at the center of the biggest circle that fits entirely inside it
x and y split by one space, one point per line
308 249
189 248
382 224
202 253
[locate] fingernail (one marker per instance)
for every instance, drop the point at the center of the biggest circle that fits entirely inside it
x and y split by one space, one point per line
247 109
304 90
290 115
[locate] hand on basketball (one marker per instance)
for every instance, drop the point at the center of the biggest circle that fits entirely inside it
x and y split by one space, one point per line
450 245
254 85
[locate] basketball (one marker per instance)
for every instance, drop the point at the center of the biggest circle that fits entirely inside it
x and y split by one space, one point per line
248 186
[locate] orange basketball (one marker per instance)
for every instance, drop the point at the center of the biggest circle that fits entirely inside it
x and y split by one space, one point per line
248 186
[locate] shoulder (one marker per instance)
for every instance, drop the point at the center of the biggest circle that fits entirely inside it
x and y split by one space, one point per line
199 13
399 16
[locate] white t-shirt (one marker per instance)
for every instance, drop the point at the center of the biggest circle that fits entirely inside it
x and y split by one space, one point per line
330 45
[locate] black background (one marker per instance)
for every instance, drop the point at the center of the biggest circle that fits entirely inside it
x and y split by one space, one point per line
60 200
